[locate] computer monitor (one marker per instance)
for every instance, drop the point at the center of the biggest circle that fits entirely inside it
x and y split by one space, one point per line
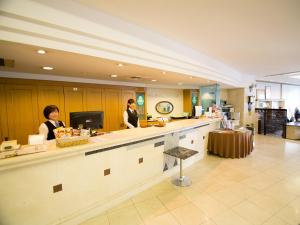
89 119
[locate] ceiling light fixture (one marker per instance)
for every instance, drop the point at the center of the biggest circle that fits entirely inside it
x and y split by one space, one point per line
296 76
153 80
164 72
114 75
47 68
120 65
41 51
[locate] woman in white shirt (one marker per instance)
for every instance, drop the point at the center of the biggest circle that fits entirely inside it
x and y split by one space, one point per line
51 113
130 116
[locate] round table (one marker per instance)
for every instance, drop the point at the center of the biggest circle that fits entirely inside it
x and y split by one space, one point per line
230 143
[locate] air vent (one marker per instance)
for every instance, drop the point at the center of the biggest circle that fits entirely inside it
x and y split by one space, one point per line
135 77
7 62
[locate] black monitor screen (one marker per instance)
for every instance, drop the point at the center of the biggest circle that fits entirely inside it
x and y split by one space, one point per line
90 119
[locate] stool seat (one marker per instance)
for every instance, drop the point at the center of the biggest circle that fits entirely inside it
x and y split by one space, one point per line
181 153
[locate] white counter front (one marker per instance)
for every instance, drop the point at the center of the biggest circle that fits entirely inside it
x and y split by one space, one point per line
94 176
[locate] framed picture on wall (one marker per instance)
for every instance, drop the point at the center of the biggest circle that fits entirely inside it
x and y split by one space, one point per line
260 94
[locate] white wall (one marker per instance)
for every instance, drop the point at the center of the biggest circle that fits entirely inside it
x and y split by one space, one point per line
154 95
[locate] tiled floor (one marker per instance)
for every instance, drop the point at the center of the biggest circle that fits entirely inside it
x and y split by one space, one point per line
263 188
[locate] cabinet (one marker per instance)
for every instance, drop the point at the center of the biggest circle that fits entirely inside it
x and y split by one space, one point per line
74 101
22 111
51 95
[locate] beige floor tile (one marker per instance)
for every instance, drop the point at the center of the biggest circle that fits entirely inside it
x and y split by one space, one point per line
291 213
228 197
98 220
122 205
125 216
244 190
208 222
163 187
260 181
192 191
229 218
291 184
251 212
150 208
189 214
280 194
147 194
274 220
209 205
173 199
164 219
267 203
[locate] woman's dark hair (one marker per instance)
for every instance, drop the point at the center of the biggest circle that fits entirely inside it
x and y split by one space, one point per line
129 102
49 109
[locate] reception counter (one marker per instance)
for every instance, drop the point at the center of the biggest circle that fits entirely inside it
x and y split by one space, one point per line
70 185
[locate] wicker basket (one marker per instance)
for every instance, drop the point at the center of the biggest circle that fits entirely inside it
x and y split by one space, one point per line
72 141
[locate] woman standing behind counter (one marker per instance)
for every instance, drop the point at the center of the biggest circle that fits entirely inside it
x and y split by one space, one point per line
130 116
51 113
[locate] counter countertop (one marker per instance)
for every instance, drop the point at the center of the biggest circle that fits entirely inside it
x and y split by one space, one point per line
110 139
295 124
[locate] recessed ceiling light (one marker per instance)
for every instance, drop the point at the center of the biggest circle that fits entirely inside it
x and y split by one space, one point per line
120 65
164 72
47 68
114 75
41 51
153 80
296 76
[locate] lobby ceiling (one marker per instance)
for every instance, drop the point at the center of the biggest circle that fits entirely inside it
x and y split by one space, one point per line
73 65
255 37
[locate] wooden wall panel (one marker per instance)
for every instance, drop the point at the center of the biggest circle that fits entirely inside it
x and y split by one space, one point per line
22 103
112 114
22 111
74 101
51 95
93 99
3 115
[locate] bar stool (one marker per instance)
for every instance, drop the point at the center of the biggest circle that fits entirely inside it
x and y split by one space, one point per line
181 153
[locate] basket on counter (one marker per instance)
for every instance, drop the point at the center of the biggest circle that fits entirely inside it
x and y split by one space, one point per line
71 141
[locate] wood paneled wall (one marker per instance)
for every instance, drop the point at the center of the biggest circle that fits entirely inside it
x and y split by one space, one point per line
22 102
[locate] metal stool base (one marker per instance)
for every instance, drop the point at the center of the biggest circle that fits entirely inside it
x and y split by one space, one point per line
182 181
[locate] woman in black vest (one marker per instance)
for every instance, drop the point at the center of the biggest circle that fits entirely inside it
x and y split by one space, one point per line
130 116
51 113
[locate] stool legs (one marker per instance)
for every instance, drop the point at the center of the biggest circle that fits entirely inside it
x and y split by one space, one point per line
182 181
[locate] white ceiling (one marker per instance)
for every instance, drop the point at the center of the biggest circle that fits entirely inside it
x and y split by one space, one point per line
74 65
255 37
